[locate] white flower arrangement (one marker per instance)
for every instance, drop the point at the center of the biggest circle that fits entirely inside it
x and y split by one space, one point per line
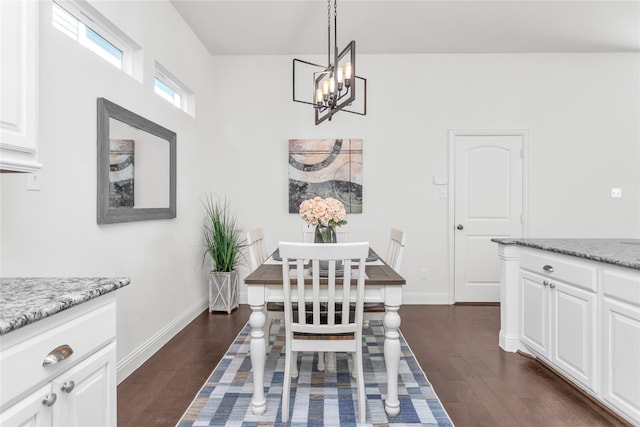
326 212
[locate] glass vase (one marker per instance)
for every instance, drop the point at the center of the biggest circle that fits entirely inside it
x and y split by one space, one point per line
325 234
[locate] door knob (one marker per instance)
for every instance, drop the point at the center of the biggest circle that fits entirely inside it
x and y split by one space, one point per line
460 227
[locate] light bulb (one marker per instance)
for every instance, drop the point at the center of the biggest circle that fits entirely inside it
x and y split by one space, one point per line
347 70
319 97
332 85
340 75
325 87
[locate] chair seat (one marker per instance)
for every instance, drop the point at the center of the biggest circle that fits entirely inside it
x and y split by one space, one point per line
374 307
275 306
335 337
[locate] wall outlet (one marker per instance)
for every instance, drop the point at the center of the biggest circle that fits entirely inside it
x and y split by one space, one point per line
423 273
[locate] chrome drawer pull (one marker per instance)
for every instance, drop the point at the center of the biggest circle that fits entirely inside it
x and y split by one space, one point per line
57 355
551 285
68 386
49 399
545 283
548 268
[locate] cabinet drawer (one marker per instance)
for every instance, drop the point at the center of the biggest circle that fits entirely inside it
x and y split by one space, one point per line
622 284
561 268
22 359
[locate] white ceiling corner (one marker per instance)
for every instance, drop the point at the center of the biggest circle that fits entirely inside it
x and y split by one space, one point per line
298 27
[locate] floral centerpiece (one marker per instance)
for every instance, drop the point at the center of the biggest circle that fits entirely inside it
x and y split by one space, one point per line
325 215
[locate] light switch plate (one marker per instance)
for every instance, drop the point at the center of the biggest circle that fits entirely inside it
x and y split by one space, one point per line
33 181
616 193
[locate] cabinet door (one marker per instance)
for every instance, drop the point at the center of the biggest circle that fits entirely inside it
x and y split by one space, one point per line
621 354
30 411
574 332
87 392
18 85
535 313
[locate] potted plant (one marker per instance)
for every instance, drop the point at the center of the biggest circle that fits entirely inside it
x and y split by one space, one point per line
223 244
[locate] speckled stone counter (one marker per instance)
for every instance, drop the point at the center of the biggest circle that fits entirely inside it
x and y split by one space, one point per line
623 252
24 300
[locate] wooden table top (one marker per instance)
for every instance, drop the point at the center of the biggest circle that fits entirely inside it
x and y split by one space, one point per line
271 274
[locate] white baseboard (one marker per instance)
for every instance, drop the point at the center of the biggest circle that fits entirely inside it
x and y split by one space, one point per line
509 342
136 358
426 298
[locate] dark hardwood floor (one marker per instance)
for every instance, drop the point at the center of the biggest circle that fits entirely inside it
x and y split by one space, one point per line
457 347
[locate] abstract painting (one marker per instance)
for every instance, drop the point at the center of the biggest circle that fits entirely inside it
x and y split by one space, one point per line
325 168
121 155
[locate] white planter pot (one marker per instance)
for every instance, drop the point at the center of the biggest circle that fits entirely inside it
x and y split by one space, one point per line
223 290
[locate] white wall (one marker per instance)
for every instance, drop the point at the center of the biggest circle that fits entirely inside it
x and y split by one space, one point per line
581 111
54 232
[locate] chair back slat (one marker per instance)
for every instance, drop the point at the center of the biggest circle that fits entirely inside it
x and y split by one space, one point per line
396 248
257 247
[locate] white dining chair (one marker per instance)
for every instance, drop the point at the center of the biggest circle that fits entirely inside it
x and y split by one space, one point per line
375 311
258 254
257 247
396 248
330 319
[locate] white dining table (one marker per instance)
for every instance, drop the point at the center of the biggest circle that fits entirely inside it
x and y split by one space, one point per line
382 285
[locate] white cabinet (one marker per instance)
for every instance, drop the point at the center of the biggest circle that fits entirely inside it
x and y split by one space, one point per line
79 389
558 324
18 86
535 318
30 411
621 341
573 333
580 316
87 392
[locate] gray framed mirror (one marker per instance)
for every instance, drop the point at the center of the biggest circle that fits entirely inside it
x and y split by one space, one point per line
136 167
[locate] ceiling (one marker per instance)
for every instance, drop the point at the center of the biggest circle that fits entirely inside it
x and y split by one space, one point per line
297 27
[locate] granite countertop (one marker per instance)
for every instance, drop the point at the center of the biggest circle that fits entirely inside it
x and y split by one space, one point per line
623 252
24 300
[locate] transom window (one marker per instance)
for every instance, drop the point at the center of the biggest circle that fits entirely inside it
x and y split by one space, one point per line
85 25
167 86
168 93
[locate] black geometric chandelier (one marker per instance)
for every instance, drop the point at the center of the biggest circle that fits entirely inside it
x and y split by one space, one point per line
334 85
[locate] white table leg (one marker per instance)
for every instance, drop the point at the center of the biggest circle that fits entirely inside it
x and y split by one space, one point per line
392 358
257 350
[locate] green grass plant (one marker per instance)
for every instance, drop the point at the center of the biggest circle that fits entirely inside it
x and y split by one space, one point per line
223 240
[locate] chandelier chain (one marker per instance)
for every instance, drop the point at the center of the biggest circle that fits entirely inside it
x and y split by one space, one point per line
335 29
329 30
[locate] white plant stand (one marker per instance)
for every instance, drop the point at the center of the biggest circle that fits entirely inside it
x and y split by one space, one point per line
223 290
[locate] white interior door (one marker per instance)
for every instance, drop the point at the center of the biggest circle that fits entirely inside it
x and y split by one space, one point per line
487 201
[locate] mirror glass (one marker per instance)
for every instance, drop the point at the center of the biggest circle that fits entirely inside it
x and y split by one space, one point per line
136 167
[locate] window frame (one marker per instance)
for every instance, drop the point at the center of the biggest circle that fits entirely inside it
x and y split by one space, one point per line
165 77
98 24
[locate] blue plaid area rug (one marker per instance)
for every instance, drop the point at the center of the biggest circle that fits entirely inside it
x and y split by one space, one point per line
328 398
